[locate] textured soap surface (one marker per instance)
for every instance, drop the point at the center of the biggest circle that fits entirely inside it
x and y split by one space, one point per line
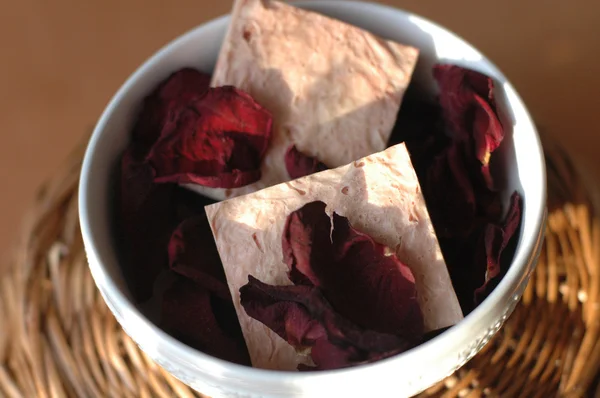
379 194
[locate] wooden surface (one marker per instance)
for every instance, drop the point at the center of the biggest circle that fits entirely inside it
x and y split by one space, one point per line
62 61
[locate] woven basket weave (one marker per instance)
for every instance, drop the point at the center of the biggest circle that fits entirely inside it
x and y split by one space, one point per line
57 337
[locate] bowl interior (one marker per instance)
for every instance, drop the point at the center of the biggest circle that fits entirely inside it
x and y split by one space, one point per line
199 48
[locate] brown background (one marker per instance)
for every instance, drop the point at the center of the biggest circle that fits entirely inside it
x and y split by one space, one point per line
62 60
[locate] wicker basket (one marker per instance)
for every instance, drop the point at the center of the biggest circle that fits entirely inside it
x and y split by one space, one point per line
59 339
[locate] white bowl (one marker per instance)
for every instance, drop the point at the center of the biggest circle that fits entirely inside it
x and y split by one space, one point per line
399 376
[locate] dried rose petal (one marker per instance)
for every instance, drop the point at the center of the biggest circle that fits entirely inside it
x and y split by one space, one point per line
302 316
146 209
203 321
450 194
162 225
188 204
218 141
420 125
467 98
146 214
496 243
299 165
149 213
355 273
194 255
288 319
331 262
458 87
162 107
452 163
495 240
488 136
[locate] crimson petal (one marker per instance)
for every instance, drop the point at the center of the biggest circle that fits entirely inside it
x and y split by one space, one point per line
147 221
420 125
488 134
303 317
458 86
450 195
194 255
355 273
217 141
164 104
495 240
467 99
197 318
299 165
454 171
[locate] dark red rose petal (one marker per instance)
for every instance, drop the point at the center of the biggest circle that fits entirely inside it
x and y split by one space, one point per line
299 165
302 316
458 87
467 98
495 240
146 214
164 104
326 355
450 194
149 214
285 317
355 273
453 166
162 224
191 314
489 133
218 141
496 246
420 125
189 204
194 255
307 232
183 85
147 210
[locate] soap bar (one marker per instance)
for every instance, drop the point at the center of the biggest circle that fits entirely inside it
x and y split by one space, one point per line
379 194
334 90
